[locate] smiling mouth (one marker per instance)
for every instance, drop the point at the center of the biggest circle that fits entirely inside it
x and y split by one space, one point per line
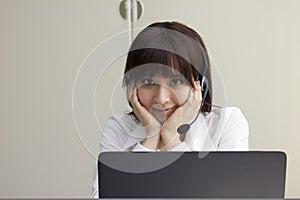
162 111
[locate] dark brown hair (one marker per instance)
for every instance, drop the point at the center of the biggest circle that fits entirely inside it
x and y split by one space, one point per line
175 45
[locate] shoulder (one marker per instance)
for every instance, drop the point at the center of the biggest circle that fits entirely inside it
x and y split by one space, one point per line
115 131
227 113
124 121
228 120
235 130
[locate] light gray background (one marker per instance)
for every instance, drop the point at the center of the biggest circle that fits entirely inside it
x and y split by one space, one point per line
255 44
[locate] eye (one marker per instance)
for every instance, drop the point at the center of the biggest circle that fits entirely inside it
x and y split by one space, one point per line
148 81
176 82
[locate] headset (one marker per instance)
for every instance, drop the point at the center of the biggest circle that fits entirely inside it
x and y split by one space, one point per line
204 88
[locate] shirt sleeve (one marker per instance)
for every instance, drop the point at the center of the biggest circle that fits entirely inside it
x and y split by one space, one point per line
235 133
198 137
95 192
111 137
140 147
183 146
110 141
227 132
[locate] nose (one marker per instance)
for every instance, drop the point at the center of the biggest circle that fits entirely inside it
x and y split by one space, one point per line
162 95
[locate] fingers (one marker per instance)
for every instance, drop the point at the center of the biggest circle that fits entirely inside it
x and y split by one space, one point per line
186 112
194 98
132 97
139 110
197 93
152 126
136 106
130 89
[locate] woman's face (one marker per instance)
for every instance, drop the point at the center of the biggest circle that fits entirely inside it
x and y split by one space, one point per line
162 95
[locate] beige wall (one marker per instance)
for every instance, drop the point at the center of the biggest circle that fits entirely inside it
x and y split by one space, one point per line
43 44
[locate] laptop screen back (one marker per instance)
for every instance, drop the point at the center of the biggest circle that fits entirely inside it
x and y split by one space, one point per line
253 174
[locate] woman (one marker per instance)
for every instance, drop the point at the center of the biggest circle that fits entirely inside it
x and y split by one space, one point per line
168 82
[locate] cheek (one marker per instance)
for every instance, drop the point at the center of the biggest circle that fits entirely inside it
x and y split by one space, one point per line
144 97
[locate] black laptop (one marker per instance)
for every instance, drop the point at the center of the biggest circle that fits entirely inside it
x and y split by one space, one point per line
251 174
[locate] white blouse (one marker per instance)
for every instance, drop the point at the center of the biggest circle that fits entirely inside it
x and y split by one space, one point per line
224 129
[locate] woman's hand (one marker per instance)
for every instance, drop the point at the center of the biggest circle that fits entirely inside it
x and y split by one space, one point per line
151 125
182 115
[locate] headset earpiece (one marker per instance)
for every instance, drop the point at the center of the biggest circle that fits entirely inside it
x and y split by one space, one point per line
203 83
